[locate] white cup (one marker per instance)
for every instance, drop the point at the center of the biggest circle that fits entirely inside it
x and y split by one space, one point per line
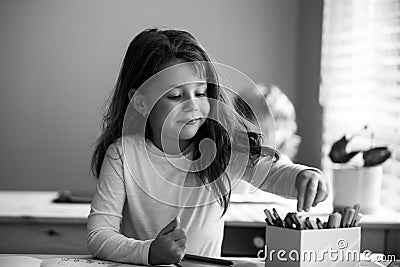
357 185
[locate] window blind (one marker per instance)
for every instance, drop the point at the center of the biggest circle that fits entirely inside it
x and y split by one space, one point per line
360 79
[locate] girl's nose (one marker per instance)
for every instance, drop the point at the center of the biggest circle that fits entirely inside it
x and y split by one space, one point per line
190 105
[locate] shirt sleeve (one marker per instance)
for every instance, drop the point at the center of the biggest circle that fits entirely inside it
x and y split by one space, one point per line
274 177
104 238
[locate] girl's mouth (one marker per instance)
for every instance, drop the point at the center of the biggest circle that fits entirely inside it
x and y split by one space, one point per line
193 121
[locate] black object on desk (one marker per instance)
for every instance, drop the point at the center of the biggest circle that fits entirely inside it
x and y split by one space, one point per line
67 196
207 259
395 263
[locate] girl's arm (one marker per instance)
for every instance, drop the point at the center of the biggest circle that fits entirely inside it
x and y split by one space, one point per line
287 179
104 239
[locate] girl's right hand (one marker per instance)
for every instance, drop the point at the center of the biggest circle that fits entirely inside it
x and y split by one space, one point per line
169 246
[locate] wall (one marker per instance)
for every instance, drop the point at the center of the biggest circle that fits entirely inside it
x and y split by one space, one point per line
307 93
59 61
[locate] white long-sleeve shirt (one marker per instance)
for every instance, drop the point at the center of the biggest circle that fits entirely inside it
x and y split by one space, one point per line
139 191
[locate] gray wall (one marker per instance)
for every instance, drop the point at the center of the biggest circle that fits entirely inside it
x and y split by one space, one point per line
307 92
59 61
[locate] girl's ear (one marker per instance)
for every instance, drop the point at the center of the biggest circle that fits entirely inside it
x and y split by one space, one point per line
139 104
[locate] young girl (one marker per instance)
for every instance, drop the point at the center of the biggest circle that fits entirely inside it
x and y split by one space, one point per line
170 151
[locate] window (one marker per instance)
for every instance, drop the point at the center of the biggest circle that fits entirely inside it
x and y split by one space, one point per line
360 72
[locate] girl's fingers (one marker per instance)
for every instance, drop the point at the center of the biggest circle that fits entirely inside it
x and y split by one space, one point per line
311 192
176 234
170 226
181 242
311 189
322 193
301 193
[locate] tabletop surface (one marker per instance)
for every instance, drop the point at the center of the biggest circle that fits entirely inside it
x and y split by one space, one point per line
244 208
16 260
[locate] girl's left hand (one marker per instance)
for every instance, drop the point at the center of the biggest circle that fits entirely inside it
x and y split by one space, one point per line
312 188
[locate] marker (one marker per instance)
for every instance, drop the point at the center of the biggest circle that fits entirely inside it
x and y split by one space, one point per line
343 212
313 225
270 218
356 221
289 221
207 259
278 220
338 218
334 220
319 224
331 221
356 208
308 223
348 217
299 222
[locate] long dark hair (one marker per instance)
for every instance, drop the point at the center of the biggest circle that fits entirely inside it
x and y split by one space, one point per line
146 55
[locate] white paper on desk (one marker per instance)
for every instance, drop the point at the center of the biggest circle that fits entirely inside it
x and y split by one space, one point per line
27 261
19 261
75 262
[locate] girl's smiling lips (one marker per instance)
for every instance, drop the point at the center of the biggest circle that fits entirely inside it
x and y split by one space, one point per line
190 121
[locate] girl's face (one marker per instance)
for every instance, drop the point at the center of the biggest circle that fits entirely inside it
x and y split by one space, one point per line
182 108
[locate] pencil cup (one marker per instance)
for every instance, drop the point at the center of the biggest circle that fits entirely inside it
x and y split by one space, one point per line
317 248
357 185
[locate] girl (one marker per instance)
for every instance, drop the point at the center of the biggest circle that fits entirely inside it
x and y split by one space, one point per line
170 150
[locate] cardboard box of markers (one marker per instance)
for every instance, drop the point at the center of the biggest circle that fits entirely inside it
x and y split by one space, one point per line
297 242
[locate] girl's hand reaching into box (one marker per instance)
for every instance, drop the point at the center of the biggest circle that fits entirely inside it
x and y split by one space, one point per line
312 188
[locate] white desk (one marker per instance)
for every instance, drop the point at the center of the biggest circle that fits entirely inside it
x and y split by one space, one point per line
74 261
31 223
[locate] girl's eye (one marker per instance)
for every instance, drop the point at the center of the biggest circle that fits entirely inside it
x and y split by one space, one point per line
174 97
202 94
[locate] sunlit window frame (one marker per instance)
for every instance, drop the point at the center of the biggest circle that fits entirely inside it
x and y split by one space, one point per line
360 80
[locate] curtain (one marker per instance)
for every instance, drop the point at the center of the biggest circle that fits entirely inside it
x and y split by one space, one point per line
360 81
